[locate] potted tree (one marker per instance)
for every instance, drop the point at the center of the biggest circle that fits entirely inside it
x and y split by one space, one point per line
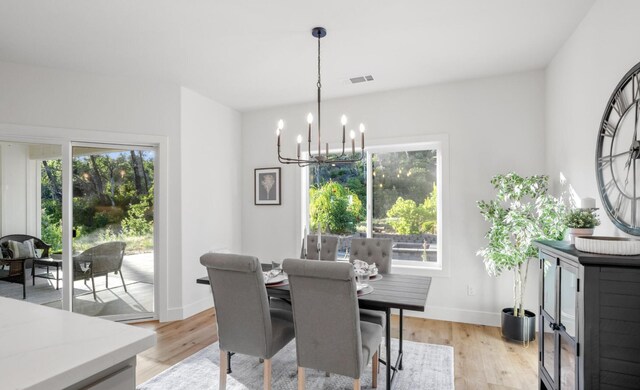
522 212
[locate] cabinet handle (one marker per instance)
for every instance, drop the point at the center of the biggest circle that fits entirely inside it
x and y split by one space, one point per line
554 326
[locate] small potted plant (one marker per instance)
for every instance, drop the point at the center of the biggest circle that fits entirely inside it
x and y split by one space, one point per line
581 222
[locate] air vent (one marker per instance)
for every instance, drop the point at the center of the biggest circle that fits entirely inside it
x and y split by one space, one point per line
361 79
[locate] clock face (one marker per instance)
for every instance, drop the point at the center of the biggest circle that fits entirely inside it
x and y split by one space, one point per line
618 153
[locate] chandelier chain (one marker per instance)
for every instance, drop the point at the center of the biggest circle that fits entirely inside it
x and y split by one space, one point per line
319 82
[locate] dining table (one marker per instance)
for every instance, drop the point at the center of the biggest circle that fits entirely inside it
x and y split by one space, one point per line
391 291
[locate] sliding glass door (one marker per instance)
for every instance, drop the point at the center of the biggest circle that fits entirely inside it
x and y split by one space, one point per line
77 226
113 231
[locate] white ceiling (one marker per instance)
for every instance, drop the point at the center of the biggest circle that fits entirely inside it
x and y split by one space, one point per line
251 54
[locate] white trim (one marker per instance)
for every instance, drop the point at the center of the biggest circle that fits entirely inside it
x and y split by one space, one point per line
67 225
197 307
456 315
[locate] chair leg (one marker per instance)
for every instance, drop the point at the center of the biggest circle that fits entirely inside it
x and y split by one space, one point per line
356 384
223 370
123 283
374 370
267 374
106 278
93 288
300 378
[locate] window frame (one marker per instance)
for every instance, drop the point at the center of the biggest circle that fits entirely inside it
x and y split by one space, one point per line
434 142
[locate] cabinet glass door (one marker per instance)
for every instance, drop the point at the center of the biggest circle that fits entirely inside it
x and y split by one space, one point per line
547 345
568 299
549 285
568 367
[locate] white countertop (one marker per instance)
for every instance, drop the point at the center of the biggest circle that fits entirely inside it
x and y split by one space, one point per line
46 348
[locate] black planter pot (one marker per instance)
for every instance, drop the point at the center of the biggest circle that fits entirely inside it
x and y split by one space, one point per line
518 328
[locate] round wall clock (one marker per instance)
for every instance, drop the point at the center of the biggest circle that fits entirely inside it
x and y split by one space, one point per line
617 154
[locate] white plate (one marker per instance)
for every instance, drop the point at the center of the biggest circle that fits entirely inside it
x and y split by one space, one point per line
361 286
277 279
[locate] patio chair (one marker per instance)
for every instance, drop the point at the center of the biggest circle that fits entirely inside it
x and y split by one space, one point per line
19 263
99 261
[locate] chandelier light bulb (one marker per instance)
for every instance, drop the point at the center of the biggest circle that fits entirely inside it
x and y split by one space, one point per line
299 139
343 120
280 124
278 132
309 118
362 127
352 134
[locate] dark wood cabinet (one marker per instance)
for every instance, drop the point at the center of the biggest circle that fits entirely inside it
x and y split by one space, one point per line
588 319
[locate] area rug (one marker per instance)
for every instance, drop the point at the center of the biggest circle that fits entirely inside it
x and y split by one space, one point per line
426 366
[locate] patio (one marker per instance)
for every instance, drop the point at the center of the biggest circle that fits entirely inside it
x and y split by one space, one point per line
138 275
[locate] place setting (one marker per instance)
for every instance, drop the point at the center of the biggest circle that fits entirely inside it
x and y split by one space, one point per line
276 276
365 273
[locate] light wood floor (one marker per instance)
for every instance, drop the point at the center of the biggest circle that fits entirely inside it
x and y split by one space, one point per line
483 360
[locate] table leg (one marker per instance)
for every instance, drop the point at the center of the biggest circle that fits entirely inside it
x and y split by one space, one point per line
400 349
387 343
58 280
33 274
228 362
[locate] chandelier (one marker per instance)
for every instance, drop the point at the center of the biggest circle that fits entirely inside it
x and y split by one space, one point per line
319 158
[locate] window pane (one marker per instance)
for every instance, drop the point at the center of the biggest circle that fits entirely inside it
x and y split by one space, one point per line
405 203
113 222
337 201
30 223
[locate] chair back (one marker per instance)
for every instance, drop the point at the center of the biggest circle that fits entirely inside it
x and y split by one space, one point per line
101 259
328 250
325 314
240 299
373 250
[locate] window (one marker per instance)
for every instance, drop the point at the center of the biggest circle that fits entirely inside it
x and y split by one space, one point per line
394 193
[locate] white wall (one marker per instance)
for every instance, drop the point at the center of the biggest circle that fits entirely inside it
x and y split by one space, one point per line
580 80
17 202
494 125
210 190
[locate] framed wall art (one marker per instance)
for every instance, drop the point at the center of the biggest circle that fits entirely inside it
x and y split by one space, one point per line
267 186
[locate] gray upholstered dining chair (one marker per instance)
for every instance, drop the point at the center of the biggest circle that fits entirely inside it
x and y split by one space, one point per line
373 250
328 249
246 324
329 334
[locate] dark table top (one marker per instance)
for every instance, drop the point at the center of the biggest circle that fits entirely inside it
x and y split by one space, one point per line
394 291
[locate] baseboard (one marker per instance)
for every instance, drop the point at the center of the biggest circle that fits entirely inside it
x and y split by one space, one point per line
173 314
457 315
432 312
197 307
